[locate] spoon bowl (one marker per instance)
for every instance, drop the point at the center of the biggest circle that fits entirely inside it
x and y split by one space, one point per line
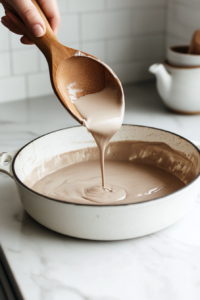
80 75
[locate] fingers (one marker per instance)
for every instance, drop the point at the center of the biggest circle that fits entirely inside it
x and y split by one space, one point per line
25 40
7 22
31 17
29 14
50 9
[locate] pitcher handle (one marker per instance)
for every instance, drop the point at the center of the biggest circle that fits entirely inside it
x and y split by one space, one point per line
7 157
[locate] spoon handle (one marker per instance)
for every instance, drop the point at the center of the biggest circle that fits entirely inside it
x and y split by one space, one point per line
45 43
195 43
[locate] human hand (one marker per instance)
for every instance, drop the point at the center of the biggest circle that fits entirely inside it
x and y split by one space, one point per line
31 17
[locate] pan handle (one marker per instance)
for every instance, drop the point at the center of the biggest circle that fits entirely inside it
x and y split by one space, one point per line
6 159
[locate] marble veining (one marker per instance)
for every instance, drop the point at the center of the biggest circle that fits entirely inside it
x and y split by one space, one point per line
49 266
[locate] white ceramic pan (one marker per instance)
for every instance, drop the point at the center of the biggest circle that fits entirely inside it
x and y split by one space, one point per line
99 222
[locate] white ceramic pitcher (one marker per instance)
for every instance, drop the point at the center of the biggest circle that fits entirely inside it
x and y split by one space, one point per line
179 87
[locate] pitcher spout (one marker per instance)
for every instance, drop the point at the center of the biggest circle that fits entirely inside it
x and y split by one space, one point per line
163 79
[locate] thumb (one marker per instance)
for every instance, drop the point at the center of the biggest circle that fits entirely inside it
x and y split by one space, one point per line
30 15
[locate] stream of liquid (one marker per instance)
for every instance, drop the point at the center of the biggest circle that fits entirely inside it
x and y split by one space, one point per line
103 112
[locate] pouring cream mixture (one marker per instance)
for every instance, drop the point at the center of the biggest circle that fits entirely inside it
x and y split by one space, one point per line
103 112
125 182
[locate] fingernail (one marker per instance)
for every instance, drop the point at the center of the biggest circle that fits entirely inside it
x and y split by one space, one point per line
38 30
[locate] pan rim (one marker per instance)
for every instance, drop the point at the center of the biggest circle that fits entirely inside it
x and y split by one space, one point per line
102 205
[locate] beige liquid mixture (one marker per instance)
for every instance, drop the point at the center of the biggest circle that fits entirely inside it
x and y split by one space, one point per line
135 172
127 183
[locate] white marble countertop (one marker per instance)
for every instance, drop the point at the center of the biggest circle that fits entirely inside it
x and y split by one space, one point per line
50 266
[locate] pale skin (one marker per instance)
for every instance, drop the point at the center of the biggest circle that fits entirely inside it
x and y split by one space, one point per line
31 17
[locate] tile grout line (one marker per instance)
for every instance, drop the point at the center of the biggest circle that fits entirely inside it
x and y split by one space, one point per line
120 9
26 87
193 7
105 5
10 54
153 34
134 35
39 60
180 23
106 50
80 31
165 35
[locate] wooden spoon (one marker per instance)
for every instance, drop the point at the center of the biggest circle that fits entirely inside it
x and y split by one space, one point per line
73 73
195 43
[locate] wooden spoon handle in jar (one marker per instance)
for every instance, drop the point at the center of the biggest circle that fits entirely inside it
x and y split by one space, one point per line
195 44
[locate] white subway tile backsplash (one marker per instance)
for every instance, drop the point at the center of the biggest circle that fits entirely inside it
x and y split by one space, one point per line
25 61
4 38
96 48
2 12
43 66
181 31
113 4
132 72
188 3
184 15
128 35
4 33
86 5
12 88
17 45
105 25
4 64
39 84
174 41
182 21
73 45
15 42
63 6
145 21
135 48
69 29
